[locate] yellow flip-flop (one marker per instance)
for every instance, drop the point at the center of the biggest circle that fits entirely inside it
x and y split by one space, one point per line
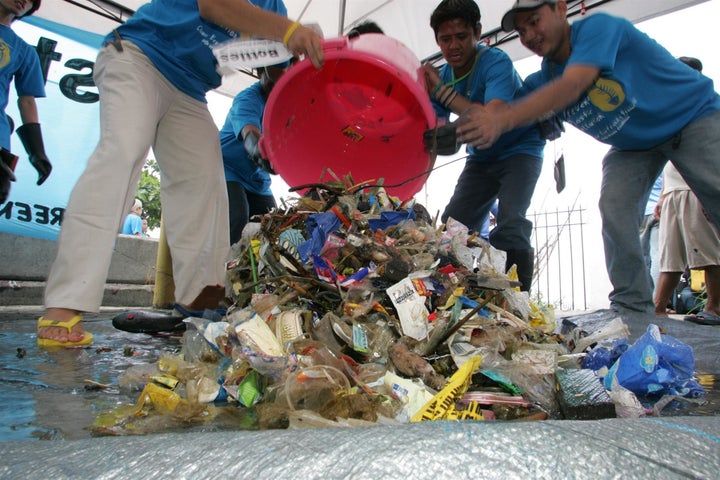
47 342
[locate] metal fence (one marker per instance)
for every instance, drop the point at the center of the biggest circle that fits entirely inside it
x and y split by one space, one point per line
559 277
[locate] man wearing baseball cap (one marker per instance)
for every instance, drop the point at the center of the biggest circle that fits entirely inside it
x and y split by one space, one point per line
612 81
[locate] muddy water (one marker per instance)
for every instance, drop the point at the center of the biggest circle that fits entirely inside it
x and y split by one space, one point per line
44 394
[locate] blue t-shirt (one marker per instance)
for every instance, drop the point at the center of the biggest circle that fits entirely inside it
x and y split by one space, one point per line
643 96
132 225
247 109
494 77
18 61
179 42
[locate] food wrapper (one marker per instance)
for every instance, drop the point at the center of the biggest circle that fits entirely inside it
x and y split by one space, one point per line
411 309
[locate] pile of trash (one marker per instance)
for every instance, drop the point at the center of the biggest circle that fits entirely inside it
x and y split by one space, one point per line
351 308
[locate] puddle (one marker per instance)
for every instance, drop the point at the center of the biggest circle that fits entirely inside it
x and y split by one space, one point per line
43 393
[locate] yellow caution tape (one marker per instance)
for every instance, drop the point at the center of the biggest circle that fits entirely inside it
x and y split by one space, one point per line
472 411
443 404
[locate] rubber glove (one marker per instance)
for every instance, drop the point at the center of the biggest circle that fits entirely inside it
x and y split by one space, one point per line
253 150
442 140
31 138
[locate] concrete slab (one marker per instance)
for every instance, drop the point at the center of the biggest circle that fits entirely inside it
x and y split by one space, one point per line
25 263
29 259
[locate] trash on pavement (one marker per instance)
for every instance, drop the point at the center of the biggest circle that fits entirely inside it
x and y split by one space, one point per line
352 308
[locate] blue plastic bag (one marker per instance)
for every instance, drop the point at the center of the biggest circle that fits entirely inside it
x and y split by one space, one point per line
656 364
605 354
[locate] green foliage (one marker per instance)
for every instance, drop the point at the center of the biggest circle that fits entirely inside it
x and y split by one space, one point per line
149 193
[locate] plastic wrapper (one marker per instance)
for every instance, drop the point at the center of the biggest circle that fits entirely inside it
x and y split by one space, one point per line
313 387
581 395
615 329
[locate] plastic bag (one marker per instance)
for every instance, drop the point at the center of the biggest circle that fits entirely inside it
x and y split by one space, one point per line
656 364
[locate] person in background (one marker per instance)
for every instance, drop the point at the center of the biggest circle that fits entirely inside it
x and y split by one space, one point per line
152 76
21 65
247 174
368 26
687 239
133 224
490 222
476 74
649 228
615 83
145 227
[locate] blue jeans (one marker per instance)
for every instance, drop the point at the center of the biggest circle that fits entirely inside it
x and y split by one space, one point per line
628 177
512 181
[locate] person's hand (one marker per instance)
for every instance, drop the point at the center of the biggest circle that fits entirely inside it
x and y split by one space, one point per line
6 174
253 150
478 127
432 76
31 137
305 41
657 211
441 140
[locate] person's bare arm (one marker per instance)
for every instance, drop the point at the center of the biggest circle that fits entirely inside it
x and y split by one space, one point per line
28 109
482 127
242 16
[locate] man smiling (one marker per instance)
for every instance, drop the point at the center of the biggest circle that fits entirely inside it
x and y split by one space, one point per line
615 83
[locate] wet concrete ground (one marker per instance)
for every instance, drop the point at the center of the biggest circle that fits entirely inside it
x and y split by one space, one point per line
46 394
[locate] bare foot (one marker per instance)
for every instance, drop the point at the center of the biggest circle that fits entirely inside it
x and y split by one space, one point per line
61 334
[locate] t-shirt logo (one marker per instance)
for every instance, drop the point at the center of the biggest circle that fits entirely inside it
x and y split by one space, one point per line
606 94
4 54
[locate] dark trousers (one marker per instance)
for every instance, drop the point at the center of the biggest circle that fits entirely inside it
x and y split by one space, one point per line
512 181
243 204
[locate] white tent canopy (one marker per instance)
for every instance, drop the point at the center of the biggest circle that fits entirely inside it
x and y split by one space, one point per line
406 20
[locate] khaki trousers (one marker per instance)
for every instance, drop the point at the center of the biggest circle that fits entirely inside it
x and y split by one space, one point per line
139 109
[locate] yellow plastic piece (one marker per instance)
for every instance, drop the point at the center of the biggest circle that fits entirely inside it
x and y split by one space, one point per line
542 318
158 398
697 280
442 405
513 276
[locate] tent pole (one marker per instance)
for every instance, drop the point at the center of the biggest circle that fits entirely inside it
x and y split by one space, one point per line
341 19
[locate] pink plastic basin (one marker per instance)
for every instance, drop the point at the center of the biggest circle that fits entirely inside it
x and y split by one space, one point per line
363 114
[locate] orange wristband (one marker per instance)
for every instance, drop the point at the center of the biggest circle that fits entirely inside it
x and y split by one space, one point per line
291 29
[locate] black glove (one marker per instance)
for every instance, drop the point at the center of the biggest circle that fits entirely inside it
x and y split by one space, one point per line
7 164
442 140
31 138
253 150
